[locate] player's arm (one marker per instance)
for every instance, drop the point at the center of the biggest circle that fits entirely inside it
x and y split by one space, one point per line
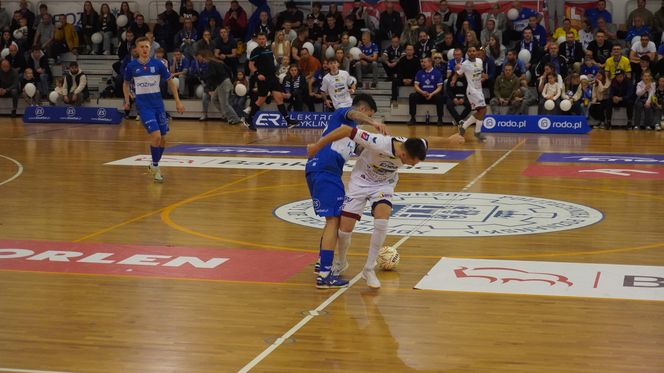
362 118
174 90
125 91
342 132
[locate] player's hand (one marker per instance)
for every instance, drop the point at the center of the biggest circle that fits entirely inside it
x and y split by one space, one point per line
456 139
126 106
179 107
457 67
312 149
64 98
261 77
380 127
328 103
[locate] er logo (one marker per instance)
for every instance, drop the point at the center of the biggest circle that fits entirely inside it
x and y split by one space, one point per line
268 120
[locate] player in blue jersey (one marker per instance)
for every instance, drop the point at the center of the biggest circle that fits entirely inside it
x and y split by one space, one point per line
323 173
145 75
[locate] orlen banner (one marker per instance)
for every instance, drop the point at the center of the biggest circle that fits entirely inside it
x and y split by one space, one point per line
557 124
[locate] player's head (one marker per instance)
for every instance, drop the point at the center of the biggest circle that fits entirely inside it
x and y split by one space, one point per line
261 39
413 151
365 104
143 47
333 65
472 53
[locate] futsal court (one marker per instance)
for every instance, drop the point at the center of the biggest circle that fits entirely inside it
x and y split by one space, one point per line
102 270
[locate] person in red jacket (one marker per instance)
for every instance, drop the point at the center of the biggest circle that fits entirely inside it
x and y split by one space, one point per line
236 20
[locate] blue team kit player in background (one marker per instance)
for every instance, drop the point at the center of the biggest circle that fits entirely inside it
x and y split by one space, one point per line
145 75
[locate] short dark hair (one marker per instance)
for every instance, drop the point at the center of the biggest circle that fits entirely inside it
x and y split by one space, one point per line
416 148
73 64
365 99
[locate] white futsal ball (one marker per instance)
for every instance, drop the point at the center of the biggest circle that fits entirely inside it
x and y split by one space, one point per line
241 90
30 90
355 53
512 14
352 40
53 97
565 105
97 38
309 47
122 20
200 91
549 105
388 258
524 56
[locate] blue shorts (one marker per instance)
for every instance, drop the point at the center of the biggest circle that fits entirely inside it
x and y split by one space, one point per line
327 193
154 120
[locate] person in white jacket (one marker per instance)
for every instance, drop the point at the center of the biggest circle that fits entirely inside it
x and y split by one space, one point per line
551 91
643 107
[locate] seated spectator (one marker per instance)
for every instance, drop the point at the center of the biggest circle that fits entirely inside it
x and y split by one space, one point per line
599 104
517 65
516 27
643 108
440 64
451 64
264 25
368 60
179 67
196 75
551 91
636 30
439 34
647 18
556 60
499 18
16 59
436 27
507 92
407 67
44 33
609 30
204 43
26 13
225 49
292 14
589 67
125 11
447 44
456 96
489 74
342 60
41 69
316 83
5 19
472 16
617 62
126 46
428 88
586 35
331 33
448 17
658 104
351 27
186 38
471 41
9 84
390 23
107 26
539 32
601 48
621 94
283 67
333 11
6 40
572 50
209 11
236 20
187 11
89 26
593 14
574 93
65 38
318 16
315 32
530 44
359 15
644 47
425 45
75 87
411 33
153 44
298 43
308 64
497 51
460 38
28 77
161 32
564 29
239 103
296 90
391 56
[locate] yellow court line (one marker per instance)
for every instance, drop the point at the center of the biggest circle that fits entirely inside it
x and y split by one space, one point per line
105 230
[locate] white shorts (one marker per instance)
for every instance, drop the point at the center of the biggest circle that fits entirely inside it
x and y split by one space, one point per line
476 98
357 199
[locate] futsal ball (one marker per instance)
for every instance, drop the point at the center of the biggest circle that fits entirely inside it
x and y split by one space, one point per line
352 40
241 90
524 56
549 105
30 90
355 53
512 14
388 258
561 40
122 20
200 91
565 105
97 37
53 97
309 47
329 53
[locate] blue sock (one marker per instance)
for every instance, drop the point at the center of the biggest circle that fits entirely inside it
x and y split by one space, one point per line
161 152
326 259
156 155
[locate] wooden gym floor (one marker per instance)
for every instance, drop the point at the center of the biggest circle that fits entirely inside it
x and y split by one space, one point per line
71 322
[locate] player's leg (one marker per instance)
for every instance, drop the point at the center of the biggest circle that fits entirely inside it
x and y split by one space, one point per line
279 100
382 210
479 115
351 212
152 126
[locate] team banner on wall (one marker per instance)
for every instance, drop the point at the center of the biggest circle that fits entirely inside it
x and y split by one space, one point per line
556 124
71 114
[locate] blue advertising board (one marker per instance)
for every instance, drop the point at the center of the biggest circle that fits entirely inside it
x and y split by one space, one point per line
72 114
273 119
552 124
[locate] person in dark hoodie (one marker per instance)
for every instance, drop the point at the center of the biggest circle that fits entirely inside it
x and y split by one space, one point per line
621 94
218 87
9 84
38 62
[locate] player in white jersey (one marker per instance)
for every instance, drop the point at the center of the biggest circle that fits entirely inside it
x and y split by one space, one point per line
473 69
372 180
338 85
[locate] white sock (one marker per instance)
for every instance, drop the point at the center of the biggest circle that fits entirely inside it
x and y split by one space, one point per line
343 244
469 122
478 125
377 240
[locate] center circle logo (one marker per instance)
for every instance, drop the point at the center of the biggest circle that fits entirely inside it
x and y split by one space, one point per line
101 112
39 111
71 111
489 123
443 214
544 123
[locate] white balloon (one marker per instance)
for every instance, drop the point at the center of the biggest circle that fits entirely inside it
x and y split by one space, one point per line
355 53
636 39
200 91
561 39
584 77
549 105
122 20
352 81
251 45
176 81
124 35
18 34
352 40
565 105
512 14
53 97
529 76
97 38
309 47
30 90
241 90
329 53
450 54
292 34
524 56
4 53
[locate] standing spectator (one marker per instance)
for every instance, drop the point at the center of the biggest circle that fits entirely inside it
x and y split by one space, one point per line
391 56
210 11
188 12
125 11
358 14
179 67
44 33
428 88
186 38
292 14
407 67
617 62
5 18
89 25
470 14
645 91
38 62
572 50
456 96
331 33
390 23
586 34
298 43
601 48
107 26
646 16
599 104
26 13
65 38
621 94
75 88
368 60
507 92
448 18
218 86
139 27
351 27
592 14
236 20
9 84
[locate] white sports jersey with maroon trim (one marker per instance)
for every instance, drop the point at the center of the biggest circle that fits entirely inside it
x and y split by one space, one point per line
377 164
473 72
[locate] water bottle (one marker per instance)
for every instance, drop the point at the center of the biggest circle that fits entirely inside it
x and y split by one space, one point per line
427 118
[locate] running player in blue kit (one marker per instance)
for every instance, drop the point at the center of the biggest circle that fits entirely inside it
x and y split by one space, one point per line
145 74
323 172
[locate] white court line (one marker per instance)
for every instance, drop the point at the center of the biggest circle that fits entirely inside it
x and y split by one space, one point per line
352 282
18 172
28 371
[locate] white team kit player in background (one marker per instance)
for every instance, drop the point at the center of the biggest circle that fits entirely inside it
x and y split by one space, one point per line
472 68
338 85
373 180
